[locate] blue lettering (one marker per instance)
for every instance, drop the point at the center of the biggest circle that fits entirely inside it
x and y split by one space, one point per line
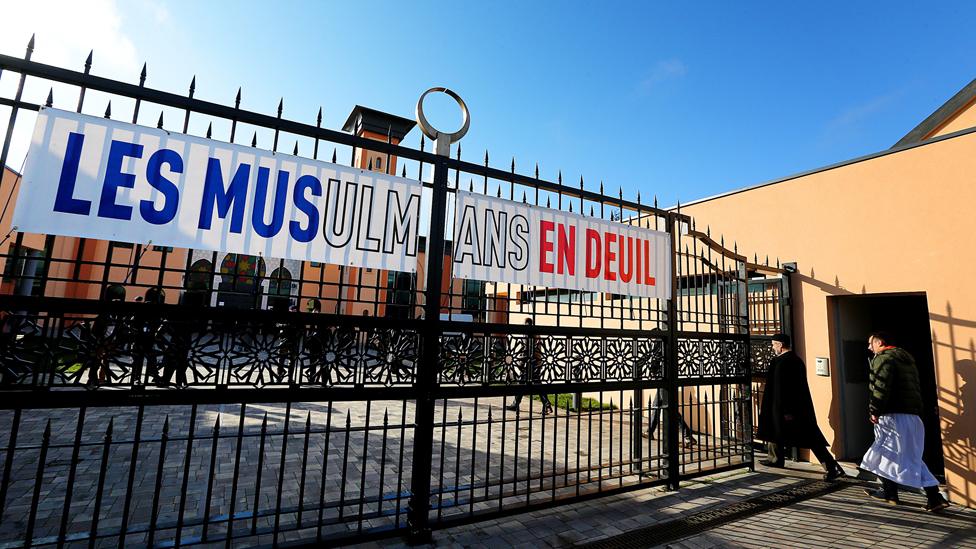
302 203
63 200
171 195
214 195
268 230
115 178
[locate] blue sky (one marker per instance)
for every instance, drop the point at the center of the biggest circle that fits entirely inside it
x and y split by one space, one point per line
682 100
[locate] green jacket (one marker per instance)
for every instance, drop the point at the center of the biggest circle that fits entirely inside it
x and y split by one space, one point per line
894 384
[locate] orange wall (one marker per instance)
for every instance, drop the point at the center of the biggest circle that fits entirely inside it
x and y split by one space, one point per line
902 222
965 118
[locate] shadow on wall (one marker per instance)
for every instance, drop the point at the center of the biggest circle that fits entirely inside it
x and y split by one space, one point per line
957 399
956 392
834 415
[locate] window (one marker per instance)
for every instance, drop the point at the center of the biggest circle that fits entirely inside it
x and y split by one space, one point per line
26 265
166 249
473 300
399 294
123 245
557 295
379 164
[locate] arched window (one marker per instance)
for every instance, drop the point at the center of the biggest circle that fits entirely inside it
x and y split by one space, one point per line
241 273
279 289
199 277
279 283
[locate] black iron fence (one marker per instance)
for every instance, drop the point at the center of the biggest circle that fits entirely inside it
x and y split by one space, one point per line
390 403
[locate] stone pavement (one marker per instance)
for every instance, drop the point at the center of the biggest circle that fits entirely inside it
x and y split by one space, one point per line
842 518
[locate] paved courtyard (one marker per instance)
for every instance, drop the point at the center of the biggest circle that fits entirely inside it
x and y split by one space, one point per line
484 457
843 518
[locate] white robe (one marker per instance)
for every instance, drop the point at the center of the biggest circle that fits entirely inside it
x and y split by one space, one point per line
899 440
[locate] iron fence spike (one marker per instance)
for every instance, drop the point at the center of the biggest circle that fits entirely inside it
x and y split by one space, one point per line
30 45
216 427
591 210
777 263
601 187
111 426
88 60
209 130
50 98
369 165
254 139
108 110
513 164
523 197
318 119
333 155
403 171
281 106
142 75
548 203
581 182
166 425
422 142
655 200
193 84
295 152
308 418
386 416
237 98
638 198
570 207
486 157
498 191
159 123
470 185
767 260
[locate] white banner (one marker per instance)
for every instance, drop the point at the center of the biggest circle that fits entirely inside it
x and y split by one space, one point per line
96 178
504 241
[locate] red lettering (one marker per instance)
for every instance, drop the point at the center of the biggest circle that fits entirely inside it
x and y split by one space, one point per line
566 252
545 246
638 280
593 252
648 279
608 256
626 259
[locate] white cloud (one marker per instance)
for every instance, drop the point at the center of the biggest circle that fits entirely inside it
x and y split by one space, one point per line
666 69
65 32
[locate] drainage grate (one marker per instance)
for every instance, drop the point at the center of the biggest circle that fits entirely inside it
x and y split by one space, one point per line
712 518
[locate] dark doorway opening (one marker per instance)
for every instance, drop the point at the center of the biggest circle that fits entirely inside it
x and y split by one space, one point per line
906 317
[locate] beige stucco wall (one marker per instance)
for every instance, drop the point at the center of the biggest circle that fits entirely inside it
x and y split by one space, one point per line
901 222
964 118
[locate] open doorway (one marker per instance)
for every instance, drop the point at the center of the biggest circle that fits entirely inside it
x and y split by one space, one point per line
906 317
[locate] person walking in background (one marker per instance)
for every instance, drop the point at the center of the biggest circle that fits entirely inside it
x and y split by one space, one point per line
533 352
895 408
786 416
687 435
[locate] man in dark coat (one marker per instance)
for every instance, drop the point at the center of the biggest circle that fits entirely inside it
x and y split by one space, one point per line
786 416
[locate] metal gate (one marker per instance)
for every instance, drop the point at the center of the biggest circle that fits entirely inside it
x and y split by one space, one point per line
388 405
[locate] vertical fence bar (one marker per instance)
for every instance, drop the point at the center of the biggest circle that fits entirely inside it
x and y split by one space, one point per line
419 505
671 364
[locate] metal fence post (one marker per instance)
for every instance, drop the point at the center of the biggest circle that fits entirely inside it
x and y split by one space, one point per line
419 504
743 408
671 365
